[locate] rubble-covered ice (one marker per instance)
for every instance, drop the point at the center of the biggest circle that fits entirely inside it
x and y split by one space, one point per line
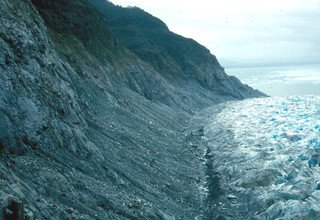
267 154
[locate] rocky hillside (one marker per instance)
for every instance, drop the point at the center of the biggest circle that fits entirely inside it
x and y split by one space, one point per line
94 101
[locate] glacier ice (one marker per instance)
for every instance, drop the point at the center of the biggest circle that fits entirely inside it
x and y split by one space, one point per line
267 153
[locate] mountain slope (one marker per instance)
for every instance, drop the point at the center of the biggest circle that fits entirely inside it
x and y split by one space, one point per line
173 56
91 126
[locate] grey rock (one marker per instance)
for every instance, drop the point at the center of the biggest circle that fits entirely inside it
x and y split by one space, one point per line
231 196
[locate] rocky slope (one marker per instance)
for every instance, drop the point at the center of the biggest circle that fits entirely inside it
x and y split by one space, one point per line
94 101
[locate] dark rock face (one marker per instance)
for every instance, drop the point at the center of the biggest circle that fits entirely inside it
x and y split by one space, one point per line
91 122
12 209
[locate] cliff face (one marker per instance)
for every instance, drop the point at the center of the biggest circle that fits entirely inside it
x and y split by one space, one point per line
93 104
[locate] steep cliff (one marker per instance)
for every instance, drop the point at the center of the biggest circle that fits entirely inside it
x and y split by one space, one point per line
94 100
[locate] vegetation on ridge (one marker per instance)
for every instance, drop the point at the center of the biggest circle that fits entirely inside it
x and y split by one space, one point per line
77 24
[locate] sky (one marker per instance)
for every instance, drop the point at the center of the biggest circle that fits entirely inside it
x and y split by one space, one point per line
243 33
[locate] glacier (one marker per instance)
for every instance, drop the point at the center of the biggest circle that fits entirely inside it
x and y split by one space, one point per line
264 156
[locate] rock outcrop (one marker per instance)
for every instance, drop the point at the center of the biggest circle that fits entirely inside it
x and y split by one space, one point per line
93 104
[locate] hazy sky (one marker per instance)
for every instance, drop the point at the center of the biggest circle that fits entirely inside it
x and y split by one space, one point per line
245 32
